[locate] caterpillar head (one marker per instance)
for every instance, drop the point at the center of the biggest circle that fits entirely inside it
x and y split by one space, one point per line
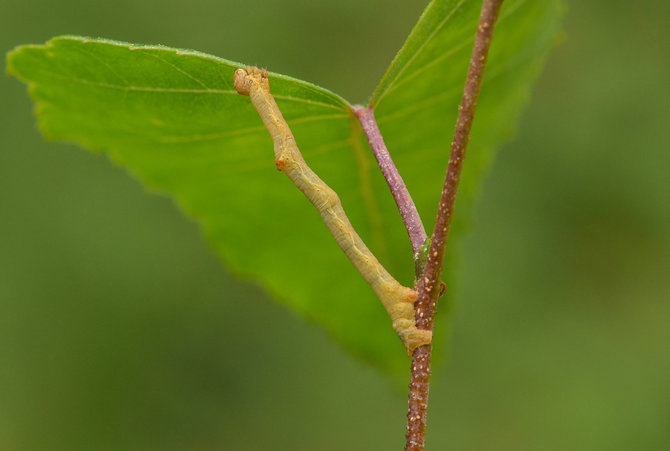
245 79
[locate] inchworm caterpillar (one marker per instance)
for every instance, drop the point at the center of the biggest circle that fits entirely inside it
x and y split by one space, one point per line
396 298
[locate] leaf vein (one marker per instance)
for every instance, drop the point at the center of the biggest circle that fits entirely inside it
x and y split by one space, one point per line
242 131
421 48
506 14
178 69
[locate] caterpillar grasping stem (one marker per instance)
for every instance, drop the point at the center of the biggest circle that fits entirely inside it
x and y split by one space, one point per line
396 298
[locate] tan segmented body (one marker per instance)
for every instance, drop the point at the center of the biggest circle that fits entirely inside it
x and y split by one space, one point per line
396 298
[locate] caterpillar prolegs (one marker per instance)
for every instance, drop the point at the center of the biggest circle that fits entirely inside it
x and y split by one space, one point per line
396 298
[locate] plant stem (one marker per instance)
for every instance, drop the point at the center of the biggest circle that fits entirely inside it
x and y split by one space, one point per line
428 283
408 211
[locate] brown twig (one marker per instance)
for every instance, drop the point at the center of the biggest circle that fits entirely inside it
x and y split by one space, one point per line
408 211
429 281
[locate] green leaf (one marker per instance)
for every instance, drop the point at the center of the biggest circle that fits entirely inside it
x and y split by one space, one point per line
416 102
174 120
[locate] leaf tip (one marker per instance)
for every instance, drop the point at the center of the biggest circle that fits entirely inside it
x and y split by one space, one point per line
10 70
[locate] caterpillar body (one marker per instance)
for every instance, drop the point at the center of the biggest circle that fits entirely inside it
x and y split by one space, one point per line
396 298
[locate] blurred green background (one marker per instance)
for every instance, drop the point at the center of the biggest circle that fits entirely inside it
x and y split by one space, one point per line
119 327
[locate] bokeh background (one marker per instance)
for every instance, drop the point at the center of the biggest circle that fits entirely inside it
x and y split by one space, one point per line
119 326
